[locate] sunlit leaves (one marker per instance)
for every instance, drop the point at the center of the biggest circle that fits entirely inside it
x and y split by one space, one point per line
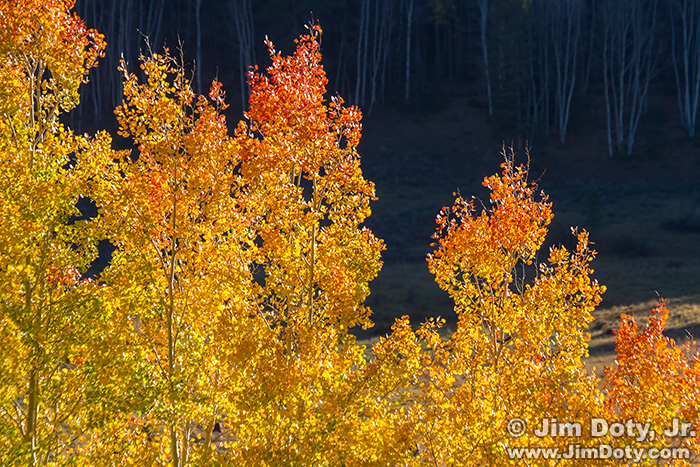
241 266
49 315
180 276
49 53
220 334
655 381
308 193
520 341
306 198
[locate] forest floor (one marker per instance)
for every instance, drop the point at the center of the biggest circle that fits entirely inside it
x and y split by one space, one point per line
642 212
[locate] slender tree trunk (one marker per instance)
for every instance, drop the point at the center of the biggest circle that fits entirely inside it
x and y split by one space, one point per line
365 52
155 20
387 46
687 68
198 21
585 78
376 43
483 27
31 309
565 28
364 24
379 49
449 49
606 84
170 316
541 65
338 73
409 27
115 84
33 393
243 20
644 68
171 341
629 65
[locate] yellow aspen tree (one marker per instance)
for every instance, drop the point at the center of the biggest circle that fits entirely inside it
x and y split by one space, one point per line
519 347
179 276
47 312
655 381
313 261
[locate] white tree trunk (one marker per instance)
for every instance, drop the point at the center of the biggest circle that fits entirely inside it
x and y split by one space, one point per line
483 26
685 28
242 13
629 63
565 30
198 21
409 27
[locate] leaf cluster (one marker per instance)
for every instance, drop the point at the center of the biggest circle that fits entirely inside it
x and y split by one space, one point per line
220 333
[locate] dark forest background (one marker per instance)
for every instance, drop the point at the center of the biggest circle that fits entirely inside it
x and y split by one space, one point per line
533 61
606 92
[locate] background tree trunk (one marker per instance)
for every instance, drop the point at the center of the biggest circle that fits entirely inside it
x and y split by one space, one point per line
685 56
409 26
629 63
483 28
242 13
565 30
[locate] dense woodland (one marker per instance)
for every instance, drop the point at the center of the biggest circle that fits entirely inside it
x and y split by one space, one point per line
220 334
534 62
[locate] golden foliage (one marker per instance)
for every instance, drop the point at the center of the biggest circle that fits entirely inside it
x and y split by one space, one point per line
48 313
220 334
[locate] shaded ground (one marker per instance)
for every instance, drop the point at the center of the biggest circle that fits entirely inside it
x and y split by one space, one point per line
643 213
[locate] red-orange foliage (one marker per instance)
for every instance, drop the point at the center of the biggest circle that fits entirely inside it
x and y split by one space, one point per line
655 381
242 264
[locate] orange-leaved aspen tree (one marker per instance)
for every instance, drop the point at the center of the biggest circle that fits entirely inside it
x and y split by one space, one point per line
517 354
47 313
656 383
179 278
312 262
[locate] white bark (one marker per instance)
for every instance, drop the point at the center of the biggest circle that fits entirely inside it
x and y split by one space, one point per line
242 12
541 67
198 22
380 47
483 27
361 51
629 63
388 14
409 27
365 52
685 54
592 33
565 32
